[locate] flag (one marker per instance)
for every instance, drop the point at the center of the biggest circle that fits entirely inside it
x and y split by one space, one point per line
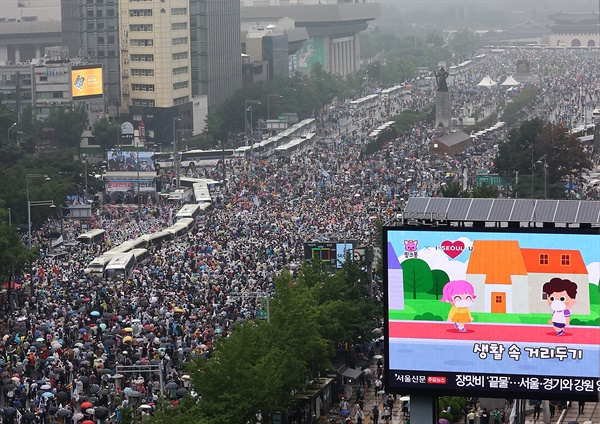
55 269
41 271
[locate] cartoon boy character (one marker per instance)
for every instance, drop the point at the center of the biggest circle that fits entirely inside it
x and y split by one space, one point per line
561 298
460 294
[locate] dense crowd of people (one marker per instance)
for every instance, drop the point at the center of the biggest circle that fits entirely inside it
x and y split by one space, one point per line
70 342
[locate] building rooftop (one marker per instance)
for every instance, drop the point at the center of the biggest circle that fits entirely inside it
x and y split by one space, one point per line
314 13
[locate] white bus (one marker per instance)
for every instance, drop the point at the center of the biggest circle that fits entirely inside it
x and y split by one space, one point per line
188 211
92 236
141 255
120 266
195 158
158 238
98 265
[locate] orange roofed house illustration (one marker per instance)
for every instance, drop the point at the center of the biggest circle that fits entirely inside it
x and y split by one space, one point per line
509 279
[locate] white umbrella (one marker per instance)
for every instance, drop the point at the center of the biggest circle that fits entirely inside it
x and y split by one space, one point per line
404 398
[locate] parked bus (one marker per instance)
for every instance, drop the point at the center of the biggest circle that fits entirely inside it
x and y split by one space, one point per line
92 236
98 265
195 158
158 238
141 255
120 266
188 211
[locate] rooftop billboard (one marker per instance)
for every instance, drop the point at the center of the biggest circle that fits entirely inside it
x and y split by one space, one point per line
130 161
497 313
86 82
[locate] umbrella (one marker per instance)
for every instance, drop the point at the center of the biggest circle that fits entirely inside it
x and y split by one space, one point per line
172 385
117 376
63 413
345 412
88 422
95 313
62 397
127 339
179 310
405 399
84 378
182 392
46 387
129 329
443 421
377 357
86 405
48 394
135 394
145 406
29 416
101 413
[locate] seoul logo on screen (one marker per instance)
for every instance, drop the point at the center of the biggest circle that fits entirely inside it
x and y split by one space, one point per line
453 248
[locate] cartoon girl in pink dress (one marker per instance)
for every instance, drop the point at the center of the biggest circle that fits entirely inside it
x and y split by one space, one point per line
460 294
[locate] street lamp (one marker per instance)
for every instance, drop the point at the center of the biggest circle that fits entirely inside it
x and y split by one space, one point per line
86 177
35 203
176 150
543 160
246 103
269 103
8 132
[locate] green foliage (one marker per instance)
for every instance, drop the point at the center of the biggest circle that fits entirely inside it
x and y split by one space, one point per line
456 404
380 142
485 191
410 117
440 278
453 189
13 254
546 144
464 43
514 110
417 277
67 125
594 294
428 316
106 133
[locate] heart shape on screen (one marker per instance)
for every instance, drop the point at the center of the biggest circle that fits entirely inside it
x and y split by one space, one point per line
453 248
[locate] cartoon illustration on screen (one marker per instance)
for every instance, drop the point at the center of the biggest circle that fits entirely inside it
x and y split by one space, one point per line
460 294
561 298
79 81
410 248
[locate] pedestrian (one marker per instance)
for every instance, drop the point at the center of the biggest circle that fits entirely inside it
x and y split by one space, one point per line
581 404
496 416
471 417
484 416
536 409
375 412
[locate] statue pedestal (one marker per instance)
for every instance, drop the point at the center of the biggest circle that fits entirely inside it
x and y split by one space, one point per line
442 109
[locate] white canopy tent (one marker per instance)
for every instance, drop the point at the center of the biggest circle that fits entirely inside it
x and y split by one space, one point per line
510 81
487 82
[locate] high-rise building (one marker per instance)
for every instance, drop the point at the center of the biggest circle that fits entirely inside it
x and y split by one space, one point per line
90 30
155 53
216 49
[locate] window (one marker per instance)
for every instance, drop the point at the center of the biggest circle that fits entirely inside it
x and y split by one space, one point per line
142 72
180 85
498 299
140 28
142 43
181 100
57 95
111 39
178 56
100 40
543 259
179 25
142 58
179 40
565 260
89 13
100 25
110 12
142 102
140 12
179 71
142 87
90 25
99 13
179 11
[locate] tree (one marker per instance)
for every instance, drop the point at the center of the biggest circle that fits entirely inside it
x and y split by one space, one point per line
463 43
440 278
485 191
453 189
545 144
106 133
14 256
67 125
417 276
29 130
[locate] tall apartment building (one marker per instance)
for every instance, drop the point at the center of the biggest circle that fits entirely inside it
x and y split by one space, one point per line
216 49
90 30
155 53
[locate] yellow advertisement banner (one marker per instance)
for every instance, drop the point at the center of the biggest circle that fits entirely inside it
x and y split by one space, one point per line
86 82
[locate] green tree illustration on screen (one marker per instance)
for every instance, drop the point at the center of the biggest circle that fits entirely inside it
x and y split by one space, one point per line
440 278
417 277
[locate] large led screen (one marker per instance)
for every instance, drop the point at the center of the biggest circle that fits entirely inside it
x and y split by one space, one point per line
496 313
86 82
130 161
